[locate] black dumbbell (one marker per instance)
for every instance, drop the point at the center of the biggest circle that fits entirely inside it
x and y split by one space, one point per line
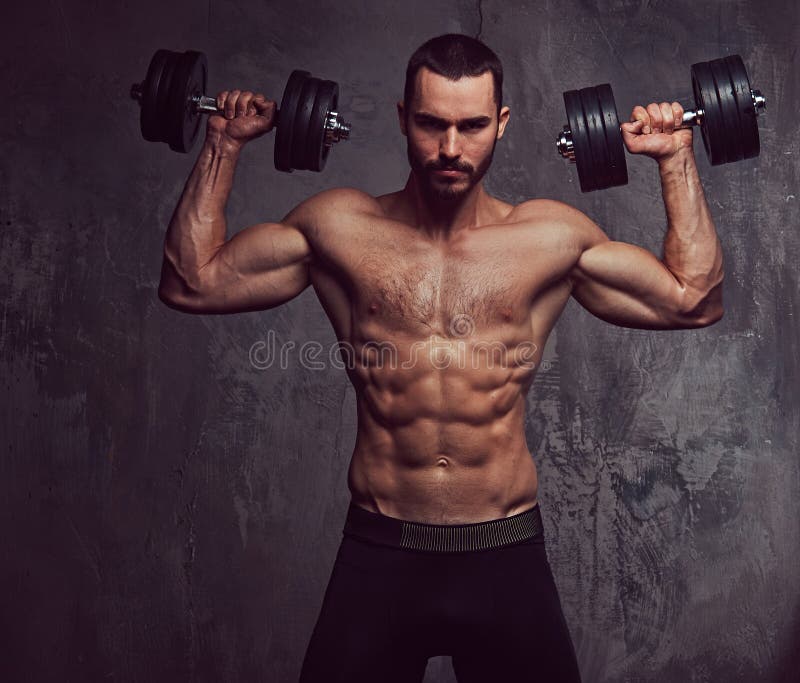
172 99
726 110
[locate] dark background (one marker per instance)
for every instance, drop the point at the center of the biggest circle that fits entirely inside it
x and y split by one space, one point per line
171 512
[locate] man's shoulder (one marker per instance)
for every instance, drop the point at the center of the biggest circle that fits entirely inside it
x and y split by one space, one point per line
342 198
552 213
332 205
547 210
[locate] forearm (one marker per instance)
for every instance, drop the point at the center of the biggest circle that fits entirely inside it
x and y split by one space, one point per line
692 250
198 227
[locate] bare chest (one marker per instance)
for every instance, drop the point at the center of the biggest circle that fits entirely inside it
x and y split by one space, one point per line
406 285
448 295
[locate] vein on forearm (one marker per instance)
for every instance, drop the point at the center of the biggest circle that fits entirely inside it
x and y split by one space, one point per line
198 226
692 250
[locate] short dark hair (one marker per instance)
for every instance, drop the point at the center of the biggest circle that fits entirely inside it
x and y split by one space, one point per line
454 56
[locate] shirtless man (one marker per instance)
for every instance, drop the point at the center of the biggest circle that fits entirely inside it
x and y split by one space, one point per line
443 551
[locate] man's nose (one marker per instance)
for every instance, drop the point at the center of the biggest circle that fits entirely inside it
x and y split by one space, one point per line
450 144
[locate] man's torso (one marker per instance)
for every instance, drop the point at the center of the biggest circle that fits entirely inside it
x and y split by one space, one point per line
444 339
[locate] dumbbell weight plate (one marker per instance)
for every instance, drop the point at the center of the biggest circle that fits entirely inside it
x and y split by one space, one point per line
149 117
618 169
595 126
748 123
580 140
175 102
188 78
596 137
327 100
728 109
285 123
705 97
302 120
163 95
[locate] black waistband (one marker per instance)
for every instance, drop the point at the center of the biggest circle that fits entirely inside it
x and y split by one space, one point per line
494 533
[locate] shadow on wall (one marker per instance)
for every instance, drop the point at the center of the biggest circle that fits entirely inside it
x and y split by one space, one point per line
787 668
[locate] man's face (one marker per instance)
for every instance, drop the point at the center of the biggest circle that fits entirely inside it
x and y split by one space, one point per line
451 128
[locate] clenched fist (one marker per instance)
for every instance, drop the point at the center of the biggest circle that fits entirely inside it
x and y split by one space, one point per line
244 117
651 130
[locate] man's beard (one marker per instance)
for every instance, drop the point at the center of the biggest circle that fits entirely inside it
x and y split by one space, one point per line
443 191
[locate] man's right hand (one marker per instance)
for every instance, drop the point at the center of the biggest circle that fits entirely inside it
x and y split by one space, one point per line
246 116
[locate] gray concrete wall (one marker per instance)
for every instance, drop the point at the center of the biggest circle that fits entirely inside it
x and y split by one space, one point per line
171 512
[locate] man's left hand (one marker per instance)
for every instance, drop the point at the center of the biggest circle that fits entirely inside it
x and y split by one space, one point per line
651 131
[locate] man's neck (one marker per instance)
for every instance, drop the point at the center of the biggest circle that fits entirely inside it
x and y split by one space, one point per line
440 218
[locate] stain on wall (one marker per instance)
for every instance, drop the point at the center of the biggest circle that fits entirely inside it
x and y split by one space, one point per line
171 507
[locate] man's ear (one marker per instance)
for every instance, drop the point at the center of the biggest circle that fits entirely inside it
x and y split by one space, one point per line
505 114
401 114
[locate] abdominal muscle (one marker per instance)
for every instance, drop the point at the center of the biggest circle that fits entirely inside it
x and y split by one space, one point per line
442 446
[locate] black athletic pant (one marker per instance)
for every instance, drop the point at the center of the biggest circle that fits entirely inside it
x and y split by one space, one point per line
402 592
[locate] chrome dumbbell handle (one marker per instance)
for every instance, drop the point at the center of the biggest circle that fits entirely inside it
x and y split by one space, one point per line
336 128
208 105
690 118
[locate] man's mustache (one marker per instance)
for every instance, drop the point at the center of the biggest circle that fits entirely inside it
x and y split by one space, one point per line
439 166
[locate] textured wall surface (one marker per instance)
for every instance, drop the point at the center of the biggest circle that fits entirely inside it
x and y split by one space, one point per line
171 512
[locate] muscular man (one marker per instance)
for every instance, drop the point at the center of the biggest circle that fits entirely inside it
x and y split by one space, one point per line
443 551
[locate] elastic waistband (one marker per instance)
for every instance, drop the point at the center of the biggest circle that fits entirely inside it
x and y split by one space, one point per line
494 533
